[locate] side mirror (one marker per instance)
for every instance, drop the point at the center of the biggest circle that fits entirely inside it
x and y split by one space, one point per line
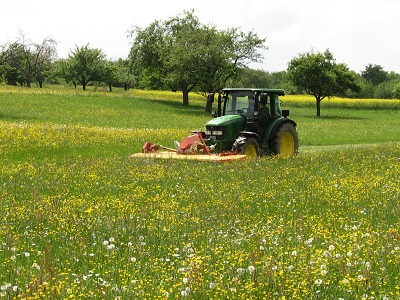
285 113
210 100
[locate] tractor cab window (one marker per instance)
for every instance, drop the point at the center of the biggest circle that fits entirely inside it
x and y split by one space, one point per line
240 104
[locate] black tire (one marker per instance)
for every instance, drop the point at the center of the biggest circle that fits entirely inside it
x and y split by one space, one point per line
247 146
285 142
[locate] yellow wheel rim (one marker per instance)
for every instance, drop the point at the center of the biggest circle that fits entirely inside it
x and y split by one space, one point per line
250 151
287 144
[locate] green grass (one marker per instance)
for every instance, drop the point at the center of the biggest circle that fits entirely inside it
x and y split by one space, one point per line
79 219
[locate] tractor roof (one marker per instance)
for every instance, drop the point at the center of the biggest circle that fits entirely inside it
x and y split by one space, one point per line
280 92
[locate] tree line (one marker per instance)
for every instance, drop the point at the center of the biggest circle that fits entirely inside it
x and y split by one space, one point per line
182 54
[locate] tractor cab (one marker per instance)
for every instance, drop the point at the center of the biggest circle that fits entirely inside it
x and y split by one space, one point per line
245 114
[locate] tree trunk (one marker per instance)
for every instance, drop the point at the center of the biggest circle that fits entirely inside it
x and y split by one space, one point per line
84 86
110 87
185 96
318 107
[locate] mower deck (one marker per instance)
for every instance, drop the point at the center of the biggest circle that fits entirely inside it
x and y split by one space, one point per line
198 157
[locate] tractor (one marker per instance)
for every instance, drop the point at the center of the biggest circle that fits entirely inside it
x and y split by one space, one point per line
250 121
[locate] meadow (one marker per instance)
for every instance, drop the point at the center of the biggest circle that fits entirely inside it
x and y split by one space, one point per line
79 219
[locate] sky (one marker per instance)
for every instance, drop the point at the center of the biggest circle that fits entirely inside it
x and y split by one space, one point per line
357 32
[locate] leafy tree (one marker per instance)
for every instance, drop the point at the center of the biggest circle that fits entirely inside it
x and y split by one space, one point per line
319 75
118 73
183 54
84 65
251 78
29 61
375 74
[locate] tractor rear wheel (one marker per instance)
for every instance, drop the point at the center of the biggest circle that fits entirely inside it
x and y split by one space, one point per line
285 142
247 146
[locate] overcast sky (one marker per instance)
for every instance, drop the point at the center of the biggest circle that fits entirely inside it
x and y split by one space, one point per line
357 32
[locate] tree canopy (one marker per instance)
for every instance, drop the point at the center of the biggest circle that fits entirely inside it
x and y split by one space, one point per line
25 61
85 65
183 54
319 75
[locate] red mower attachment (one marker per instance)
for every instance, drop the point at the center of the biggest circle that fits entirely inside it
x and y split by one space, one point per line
190 144
191 147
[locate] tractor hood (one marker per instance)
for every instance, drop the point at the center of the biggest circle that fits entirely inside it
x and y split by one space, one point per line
225 120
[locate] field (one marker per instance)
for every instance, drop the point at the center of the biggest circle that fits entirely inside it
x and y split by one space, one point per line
79 219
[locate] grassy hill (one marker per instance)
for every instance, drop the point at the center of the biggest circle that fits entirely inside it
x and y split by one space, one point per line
82 220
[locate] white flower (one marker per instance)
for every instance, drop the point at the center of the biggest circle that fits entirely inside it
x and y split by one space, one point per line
318 281
184 293
212 285
331 247
185 280
105 243
294 253
111 240
251 269
133 259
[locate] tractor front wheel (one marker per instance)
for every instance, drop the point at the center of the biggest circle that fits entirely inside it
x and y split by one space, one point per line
285 142
247 146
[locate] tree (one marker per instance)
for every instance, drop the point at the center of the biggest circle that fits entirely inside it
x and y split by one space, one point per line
84 65
30 61
319 75
183 54
375 74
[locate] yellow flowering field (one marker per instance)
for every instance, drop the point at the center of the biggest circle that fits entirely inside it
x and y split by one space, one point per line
80 220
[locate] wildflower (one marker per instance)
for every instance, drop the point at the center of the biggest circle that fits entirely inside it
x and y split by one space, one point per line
318 281
251 269
294 253
331 247
212 285
185 280
240 271
110 247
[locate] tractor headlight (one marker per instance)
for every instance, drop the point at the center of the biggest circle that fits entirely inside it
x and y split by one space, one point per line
217 132
208 132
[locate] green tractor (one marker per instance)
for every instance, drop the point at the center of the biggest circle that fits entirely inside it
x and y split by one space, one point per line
250 121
